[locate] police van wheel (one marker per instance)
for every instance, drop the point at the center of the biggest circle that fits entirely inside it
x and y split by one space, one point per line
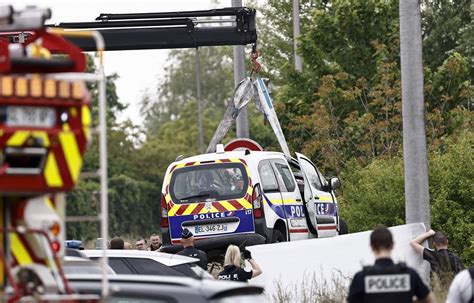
343 228
278 236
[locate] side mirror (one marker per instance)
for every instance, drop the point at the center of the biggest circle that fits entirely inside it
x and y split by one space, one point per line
334 183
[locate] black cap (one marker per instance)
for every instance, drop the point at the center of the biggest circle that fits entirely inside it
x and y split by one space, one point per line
186 234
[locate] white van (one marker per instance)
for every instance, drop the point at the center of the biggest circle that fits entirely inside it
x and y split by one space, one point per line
247 198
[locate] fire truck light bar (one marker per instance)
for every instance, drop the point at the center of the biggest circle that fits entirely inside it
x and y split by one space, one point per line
38 87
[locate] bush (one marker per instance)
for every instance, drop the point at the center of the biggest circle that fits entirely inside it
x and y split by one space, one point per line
374 194
335 291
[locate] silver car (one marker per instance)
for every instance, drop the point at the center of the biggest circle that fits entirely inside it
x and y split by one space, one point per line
140 262
78 265
148 289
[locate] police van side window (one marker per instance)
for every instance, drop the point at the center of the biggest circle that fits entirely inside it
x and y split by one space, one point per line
324 182
311 173
267 177
286 176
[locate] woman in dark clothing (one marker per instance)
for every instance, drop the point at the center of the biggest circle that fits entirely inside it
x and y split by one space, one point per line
232 270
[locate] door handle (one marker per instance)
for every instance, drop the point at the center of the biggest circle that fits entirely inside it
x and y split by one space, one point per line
298 200
316 198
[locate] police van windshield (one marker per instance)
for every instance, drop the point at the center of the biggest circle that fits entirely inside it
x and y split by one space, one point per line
209 182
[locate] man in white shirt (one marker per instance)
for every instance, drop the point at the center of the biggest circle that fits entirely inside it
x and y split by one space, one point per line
462 287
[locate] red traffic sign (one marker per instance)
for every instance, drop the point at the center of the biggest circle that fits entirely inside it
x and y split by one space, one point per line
243 144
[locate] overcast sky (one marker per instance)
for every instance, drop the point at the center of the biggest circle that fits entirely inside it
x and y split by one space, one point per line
138 70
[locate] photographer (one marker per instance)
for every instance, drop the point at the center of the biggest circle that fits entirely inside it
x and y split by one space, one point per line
232 270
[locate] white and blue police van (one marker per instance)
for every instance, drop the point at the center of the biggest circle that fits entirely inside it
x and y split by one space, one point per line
245 198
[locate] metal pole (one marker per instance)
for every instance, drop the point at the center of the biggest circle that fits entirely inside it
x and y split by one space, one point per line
199 105
5 245
296 34
104 201
417 208
242 123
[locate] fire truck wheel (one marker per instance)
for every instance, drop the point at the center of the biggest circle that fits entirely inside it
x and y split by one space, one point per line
343 228
278 236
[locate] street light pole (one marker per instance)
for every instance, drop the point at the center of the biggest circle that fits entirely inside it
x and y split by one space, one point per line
417 206
242 121
198 101
296 34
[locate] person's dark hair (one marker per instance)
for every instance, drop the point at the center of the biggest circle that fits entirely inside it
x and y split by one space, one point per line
381 238
139 239
116 243
440 239
186 234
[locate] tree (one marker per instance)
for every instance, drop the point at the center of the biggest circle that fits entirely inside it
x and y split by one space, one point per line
179 85
445 24
124 176
347 106
373 194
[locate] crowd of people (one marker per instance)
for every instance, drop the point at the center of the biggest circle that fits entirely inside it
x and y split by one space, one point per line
384 281
153 244
232 261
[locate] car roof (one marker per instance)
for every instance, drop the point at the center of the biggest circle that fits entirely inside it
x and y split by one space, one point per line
207 287
163 258
72 252
76 259
83 262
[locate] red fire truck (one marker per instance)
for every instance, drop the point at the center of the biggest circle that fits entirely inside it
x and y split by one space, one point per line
44 130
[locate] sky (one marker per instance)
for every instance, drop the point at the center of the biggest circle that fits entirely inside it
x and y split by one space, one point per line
138 70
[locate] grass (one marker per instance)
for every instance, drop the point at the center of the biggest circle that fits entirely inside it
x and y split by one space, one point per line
313 290
336 289
440 286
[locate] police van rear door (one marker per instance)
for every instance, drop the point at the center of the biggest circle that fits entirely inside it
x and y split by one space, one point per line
272 195
320 204
211 198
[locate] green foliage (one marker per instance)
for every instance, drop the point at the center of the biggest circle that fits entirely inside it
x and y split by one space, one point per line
114 105
343 111
445 24
83 201
374 194
130 195
134 206
347 102
452 193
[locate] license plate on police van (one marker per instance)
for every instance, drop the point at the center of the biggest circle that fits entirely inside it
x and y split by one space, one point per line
210 229
30 116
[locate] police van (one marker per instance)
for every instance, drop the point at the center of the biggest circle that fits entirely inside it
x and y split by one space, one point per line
246 198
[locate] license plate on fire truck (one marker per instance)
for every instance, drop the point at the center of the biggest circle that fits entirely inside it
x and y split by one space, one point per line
30 116
210 229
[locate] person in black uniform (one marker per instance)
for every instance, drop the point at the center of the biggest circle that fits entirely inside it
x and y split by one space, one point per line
386 281
187 239
444 263
232 270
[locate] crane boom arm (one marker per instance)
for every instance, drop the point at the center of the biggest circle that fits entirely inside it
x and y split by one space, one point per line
227 26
